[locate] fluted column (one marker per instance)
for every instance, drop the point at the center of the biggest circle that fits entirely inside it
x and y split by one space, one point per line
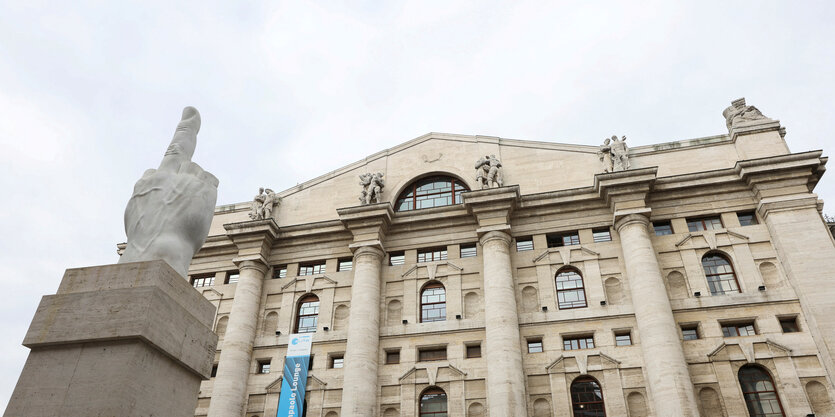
668 377
505 376
359 392
229 391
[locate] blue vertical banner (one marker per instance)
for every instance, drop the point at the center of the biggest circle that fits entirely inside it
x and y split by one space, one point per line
294 378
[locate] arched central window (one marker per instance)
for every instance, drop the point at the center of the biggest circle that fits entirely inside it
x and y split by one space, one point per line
433 303
587 398
760 394
308 314
431 192
720 274
433 403
570 290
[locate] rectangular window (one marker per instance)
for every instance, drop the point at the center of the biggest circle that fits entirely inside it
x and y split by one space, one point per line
397 258
345 264
232 277
473 351
747 218
690 332
279 271
312 268
337 361
534 345
204 281
662 228
432 354
789 324
704 223
392 357
580 342
524 243
623 339
214 371
601 235
310 364
430 255
739 329
563 239
263 367
468 251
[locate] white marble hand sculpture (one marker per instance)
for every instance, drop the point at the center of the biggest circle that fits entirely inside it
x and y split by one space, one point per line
169 214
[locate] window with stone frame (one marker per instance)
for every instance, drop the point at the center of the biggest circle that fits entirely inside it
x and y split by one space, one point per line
721 278
789 324
535 345
279 271
397 258
570 290
690 332
392 356
747 218
662 228
587 398
602 234
433 303
431 192
760 394
578 342
524 243
623 338
432 254
563 239
473 350
469 250
433 403
337 361
307 314
203 281
740 328
345 264
264 367
432 354
232 277
312 268
698 224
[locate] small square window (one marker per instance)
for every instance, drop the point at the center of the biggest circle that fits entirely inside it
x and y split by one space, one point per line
704 223
739 329
312 268
392 356
662 228
310 364
214 371
581 342
468 251
623 339
337 361
789 324
263 367
279 271
397 258
690 332
430 255
563 239
747 218
534 345
432 354
345 264
601 235
524 243
232 277
473 351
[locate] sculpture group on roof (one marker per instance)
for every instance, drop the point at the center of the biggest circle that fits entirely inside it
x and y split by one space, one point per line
614 154
263 204
372 188
738 112
489 172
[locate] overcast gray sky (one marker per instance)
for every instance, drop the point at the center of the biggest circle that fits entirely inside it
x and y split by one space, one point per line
90 93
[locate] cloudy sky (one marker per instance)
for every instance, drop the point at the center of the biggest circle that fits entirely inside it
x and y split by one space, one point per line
90 93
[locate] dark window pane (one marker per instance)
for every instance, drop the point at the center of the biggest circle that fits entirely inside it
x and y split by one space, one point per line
587 398
563 239
534 346
759 392
345 265
690 333
524 243
434 354
392 356
474 351
232 277
397 258
662 228
789 325
280 272
600 235
468 251
746 219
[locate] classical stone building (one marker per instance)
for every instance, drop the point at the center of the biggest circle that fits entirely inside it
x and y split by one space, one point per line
679 279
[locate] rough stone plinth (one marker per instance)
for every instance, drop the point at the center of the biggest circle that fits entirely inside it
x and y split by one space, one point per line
131 339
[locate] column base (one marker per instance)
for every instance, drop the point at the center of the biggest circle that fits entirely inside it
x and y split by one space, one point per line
129 339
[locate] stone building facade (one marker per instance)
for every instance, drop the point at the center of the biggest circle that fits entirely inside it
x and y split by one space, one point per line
692 278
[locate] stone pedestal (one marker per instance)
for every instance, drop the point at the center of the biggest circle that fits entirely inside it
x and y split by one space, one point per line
130 339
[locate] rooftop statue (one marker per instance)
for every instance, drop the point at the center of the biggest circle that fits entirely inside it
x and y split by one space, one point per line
489 172
372 188
263 204
738 112
171 208
614 154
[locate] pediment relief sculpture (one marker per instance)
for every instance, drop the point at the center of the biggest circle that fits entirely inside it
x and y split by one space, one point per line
263 204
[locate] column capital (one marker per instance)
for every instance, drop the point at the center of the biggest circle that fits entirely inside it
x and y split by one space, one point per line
252 262
375 250
254 238
492 207
623 219
368 223
495 235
